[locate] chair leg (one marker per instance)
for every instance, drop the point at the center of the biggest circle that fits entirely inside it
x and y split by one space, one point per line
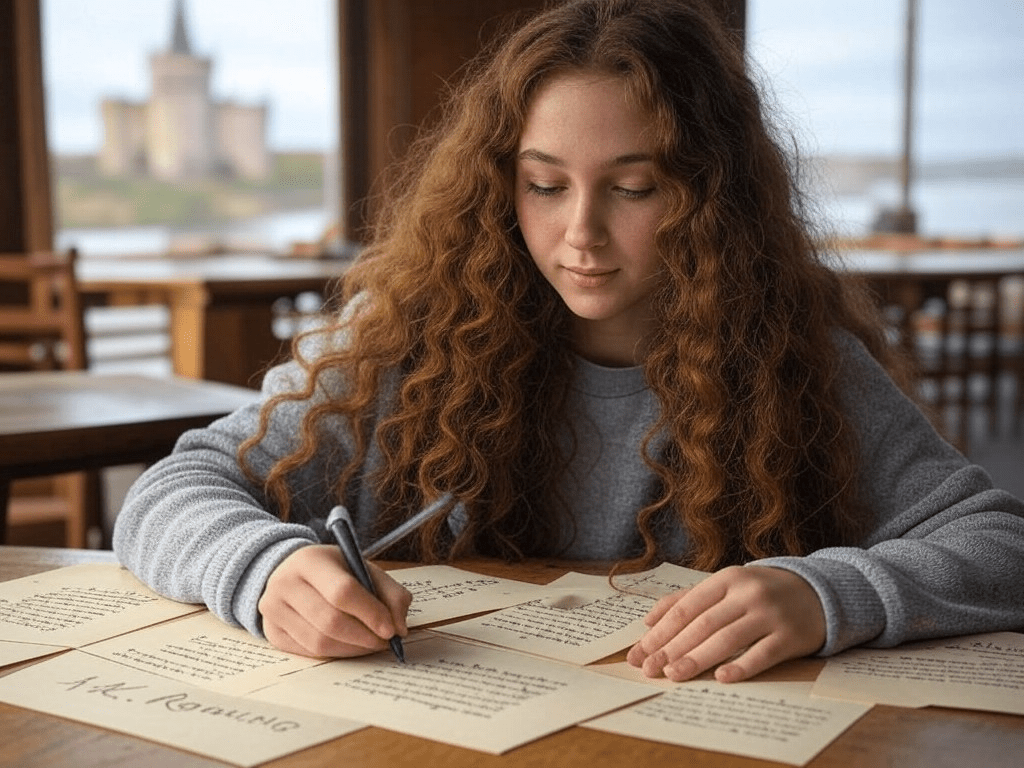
5 494
85 509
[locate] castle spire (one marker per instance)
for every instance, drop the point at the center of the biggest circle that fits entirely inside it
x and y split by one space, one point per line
179 34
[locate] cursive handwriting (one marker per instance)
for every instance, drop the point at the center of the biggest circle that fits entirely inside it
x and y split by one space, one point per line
454 686
177 703
69 606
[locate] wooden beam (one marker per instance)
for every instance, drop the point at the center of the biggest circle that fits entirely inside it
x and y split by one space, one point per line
26 220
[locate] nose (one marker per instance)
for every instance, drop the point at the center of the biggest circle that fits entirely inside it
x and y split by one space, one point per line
586 228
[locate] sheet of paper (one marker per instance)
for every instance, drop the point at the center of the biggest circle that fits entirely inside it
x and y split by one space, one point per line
441 592
624 671
972 672
792 671
655 583
769 721
92 690
202 650
582 618
458 693
12 653
69 607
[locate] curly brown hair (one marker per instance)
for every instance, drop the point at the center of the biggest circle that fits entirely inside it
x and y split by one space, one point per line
755 455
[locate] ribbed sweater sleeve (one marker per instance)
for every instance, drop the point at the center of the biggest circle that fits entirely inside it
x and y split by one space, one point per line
196 529
946 553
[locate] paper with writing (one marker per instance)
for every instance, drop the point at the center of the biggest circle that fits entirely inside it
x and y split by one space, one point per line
442 592
582 618
12 653
69 607
204 651
458 693
983 671
100 692
769 721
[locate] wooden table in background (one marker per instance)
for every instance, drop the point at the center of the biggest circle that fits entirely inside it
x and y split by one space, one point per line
67 421
905 276
885 737
220 306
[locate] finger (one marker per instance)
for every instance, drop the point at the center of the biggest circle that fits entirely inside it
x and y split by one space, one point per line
695 635
341 590
663 606
322 625
674 614
718 647
759 657
395 596
289 630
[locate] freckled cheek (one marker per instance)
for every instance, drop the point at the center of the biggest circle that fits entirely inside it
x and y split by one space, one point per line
539 231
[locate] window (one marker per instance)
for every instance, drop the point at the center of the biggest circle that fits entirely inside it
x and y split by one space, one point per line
192 126
837 72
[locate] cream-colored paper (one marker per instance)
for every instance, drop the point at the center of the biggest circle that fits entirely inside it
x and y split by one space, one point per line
80 604
92 690
204 651
625 671
769 721
582 618
441 592
972 672
12 653
458 693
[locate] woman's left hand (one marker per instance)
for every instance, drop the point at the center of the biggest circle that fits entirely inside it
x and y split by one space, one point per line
765 615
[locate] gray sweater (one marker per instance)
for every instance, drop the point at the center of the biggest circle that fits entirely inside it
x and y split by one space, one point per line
945 555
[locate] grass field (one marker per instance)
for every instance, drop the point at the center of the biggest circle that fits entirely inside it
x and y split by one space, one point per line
85 198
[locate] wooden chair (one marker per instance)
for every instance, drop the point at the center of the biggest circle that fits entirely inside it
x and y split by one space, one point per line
960 331
42 328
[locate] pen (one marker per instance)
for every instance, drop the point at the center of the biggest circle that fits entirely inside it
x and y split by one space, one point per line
340 524
428 512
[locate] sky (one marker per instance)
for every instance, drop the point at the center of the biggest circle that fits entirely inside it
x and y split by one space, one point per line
279 51
834 67
837 68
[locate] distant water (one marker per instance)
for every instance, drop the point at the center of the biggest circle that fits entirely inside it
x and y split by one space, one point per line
274 232
959 208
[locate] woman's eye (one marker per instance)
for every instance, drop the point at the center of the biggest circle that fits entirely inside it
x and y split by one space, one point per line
635 194
542 190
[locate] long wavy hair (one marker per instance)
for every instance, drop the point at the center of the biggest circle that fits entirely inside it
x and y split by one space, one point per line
754 454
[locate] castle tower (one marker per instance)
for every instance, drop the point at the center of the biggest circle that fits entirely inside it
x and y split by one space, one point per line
181 133
180 117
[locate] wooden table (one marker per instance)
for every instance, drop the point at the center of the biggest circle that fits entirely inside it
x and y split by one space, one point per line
886 737
66 421
220 306
907 278
945 263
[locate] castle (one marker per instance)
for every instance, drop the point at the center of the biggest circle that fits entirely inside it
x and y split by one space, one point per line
181 133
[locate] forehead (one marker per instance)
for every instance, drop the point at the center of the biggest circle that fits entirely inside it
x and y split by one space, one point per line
583 107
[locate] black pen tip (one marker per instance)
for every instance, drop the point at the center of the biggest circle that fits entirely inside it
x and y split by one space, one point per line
397 649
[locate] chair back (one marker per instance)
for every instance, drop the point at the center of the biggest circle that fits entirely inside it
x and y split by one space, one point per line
41 319
42 327
964 334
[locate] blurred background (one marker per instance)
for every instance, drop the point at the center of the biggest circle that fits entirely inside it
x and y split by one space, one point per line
191 153
834 72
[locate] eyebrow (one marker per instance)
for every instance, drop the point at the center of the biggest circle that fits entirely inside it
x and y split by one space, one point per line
544 157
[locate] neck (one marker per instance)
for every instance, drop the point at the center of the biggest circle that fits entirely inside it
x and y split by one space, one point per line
608 347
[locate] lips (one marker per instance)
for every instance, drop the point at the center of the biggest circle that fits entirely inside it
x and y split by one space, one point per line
589 278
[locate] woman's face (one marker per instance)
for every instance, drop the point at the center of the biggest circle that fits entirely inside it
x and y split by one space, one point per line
588 208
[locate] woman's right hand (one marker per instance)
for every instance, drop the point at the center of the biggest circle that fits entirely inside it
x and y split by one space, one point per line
312 605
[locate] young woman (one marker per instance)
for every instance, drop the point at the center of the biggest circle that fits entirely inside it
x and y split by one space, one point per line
592 311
